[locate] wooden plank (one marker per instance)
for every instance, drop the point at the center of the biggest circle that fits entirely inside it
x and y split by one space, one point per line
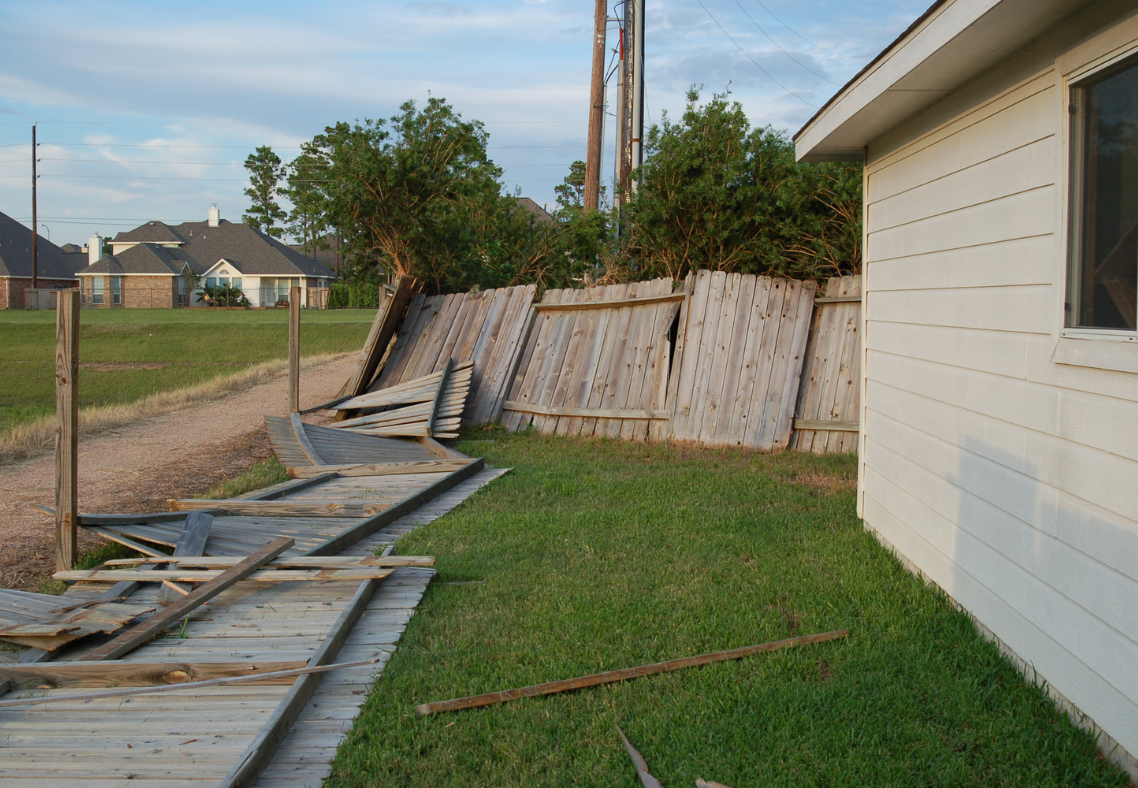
294 562
815 424
260 752
379 336
612 676
67 428
290 488
784 414
725 337
648 344
124 673
744 389
705 356
845 299
302 439
190 543
772 317
671 380
378 469
613 304
691 336
447 367
289 508
294 350
125 542
409 504
419 336
514 362
163 619
646 779
180 575
770 430
600 413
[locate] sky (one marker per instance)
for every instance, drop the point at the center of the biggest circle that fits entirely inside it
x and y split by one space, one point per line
147 111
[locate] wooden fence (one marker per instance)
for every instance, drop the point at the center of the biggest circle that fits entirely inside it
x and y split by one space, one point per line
740 359
596 362
722 360
830 394
484 327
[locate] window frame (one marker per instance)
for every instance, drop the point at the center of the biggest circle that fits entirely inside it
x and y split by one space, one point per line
98 290
1097 348
116 290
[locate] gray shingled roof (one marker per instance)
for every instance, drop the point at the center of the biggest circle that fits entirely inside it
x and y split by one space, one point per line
16 253
140 259
248 249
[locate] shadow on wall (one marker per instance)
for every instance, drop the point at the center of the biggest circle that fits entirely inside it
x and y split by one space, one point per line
1054 580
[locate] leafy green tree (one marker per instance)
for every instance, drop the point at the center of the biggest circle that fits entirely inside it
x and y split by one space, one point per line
715 193
307 179
571 191
266 171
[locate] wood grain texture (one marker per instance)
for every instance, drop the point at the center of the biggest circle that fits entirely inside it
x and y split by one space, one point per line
67 428
294 350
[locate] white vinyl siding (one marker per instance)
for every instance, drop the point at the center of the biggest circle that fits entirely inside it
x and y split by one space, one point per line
1007 479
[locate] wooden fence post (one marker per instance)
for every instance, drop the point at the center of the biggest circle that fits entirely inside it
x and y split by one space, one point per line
294 350
67 428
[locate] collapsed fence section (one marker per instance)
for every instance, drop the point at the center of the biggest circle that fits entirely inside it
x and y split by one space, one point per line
721 359
485 327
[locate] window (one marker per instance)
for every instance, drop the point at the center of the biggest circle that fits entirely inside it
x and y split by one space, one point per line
181 291
211 281
96 289
1102 290
116 289
237 282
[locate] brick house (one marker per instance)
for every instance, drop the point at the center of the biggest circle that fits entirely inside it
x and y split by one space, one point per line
55 268
157 266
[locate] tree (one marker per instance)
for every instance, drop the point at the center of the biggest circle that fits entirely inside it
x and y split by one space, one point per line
402 189
715 193
571 192
307 176
265 175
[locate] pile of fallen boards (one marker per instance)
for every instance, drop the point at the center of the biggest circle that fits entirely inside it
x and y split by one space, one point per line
430 406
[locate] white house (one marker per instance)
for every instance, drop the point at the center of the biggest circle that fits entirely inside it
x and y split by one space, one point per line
999 425
148 266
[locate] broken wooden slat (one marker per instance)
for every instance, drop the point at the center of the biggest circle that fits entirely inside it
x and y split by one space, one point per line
190 543
599 413
835 426
289 508
439 396
279 491
122 673
126 692
296 562
302 439
163 619
612 676
110 535
260 752
856 299
409 504
615 304
379 469
646 779
379 336
181 575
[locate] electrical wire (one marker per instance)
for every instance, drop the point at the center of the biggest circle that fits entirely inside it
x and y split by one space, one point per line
780 49
760 68
808 41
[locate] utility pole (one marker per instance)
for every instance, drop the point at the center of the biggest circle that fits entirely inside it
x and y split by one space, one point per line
35 218
630 112
596 110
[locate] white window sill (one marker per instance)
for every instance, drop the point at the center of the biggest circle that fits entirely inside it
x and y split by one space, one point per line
1098 349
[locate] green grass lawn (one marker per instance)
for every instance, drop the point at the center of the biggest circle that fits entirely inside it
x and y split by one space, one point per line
182 347
598 555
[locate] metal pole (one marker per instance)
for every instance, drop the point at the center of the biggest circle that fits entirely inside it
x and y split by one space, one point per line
596 110
67 428
35 218
618 159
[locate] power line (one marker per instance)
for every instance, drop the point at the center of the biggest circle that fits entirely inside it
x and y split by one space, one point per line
131 162
760 68
780 49
808 41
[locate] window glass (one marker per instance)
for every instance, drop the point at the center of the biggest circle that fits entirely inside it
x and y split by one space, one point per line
116 289
96 290
211 281
1103 289
237 282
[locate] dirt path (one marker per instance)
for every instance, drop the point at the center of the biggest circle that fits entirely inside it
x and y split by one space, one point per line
136 469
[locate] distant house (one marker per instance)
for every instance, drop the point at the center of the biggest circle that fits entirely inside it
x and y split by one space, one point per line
155 265
535 210
55 269
999 424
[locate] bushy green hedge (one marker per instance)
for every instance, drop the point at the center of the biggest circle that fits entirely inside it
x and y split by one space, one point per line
356 294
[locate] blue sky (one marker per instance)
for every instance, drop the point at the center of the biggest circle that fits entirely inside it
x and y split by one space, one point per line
148 110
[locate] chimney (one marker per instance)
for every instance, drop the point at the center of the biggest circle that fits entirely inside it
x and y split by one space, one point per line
214 216
94 249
